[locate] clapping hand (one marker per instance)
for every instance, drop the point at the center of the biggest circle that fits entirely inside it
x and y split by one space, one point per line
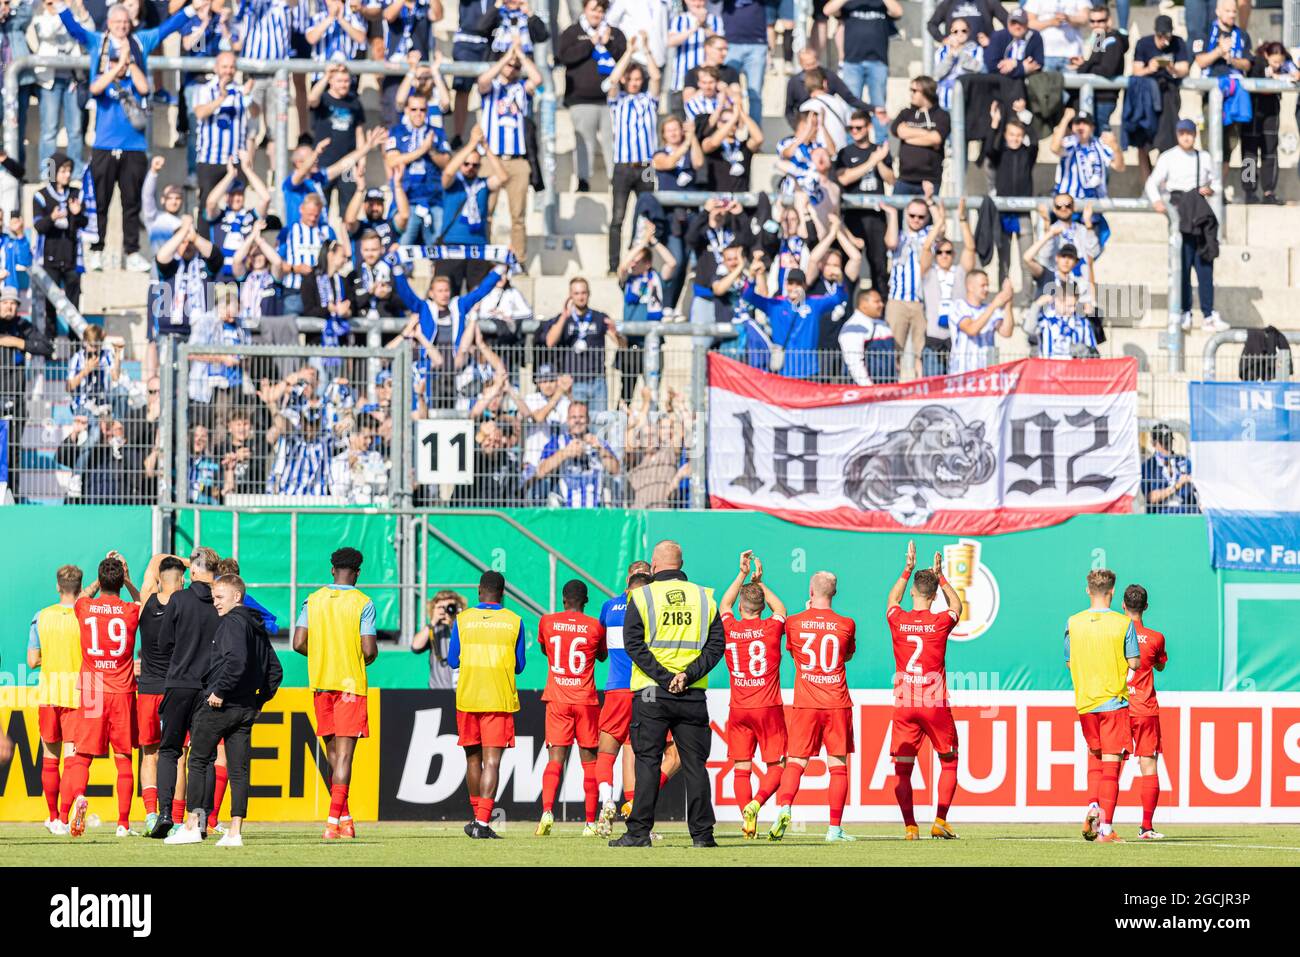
910 563
745 559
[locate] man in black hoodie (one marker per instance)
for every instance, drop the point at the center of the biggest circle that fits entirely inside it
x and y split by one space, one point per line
243 674
186 634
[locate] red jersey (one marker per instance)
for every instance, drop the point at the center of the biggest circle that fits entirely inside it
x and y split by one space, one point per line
920 648
1142 688
820 641
108 643
572 642
754 660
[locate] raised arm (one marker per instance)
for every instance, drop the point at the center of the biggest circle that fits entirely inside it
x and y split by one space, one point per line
949 593
729 596
900 585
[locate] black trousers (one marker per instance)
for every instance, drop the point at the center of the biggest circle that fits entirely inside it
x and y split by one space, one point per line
125 170
654 713
69 280
232 723
1259 154
176 715
870 227
208 175
629 178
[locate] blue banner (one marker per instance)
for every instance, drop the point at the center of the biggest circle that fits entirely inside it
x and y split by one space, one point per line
1246 445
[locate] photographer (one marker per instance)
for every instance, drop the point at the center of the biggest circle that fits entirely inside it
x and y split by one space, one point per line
435 637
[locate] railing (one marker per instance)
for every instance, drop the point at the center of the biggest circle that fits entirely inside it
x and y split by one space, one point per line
280 70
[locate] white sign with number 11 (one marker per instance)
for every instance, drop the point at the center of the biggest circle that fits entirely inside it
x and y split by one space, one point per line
444 452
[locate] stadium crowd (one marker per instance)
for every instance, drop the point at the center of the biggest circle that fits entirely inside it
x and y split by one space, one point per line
672 100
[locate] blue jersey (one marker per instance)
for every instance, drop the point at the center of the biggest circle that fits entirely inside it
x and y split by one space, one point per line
422 180
620 664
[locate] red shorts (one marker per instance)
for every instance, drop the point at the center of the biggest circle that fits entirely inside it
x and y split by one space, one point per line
342 714
566 723
1107 731
111 723
1146 735
912 725
57 723
761 728
811 728
616 714
146 718
491 729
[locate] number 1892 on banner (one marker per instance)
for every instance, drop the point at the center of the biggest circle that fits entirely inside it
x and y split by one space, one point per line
444 452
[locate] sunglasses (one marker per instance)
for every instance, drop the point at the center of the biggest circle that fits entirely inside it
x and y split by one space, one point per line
1063 206
916 215
857 126
944 252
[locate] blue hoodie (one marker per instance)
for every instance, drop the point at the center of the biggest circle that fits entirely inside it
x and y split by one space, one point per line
113 131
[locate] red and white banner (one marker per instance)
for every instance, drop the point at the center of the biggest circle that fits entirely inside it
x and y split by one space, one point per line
1015 446
1228 757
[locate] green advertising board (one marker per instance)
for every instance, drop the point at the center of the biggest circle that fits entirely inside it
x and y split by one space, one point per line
1232 630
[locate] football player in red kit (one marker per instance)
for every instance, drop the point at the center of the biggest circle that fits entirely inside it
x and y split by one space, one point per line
573 643
821 642
1143 709
920 639
756 719
107 716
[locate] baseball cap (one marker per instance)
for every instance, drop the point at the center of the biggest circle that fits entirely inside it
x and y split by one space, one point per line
374 195
1186 126
797 277
9 294
1018 15
545 372
1164 25
1084 118
1068 249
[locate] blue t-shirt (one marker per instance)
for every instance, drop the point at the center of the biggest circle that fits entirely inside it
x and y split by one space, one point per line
468 203
744 21
619 677
316 182
422 180
1146 51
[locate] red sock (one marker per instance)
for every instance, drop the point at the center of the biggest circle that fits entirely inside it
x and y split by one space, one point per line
839 793
769 782
347 811
150 797
663 779
485 806
338 797
76 774
605 769
125 788
50 785
219 794
947 786
1094 778
1109 790
178 810
1150 798
473 808
903 791
789 784
551 783
744 786
590 790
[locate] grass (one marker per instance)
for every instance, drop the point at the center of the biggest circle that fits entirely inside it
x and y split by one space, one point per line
878 844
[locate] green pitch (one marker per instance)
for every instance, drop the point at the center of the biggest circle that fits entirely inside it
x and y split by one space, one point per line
877 844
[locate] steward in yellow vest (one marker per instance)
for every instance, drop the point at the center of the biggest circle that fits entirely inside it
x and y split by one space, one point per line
674 636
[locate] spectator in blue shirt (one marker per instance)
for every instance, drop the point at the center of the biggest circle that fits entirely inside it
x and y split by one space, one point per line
119 84
416 154
795 320
16 254
1167 478
307 176
580 460
466 207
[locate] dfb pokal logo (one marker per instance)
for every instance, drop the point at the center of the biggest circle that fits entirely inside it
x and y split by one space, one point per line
976 587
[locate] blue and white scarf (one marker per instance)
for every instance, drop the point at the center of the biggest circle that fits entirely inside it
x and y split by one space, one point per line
605 61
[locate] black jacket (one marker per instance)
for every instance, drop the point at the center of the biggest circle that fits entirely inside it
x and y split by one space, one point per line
581 78
60 240
982 22
243 669
186 635
643 658
1197 223
1013 170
